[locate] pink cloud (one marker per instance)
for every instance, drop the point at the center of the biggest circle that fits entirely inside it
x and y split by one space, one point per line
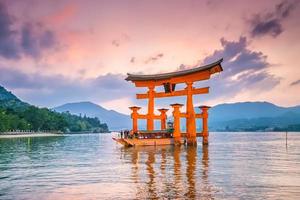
62 16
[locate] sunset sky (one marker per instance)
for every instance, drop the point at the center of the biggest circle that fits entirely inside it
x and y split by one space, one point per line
55 52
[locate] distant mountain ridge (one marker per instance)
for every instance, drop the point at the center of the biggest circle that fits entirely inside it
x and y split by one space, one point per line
114 119
6 95
248 110
252 116
8 100
241 116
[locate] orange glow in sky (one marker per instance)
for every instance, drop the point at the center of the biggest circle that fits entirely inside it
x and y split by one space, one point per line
51 51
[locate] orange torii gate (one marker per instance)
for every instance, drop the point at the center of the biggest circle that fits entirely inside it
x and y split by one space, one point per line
169 81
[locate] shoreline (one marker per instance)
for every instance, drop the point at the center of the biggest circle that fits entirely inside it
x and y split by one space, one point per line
28 134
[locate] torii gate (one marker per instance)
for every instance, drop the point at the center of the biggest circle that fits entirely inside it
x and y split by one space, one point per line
169 81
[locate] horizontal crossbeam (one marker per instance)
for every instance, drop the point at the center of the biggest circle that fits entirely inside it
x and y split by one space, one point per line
183 92
199 115
183 115
145 116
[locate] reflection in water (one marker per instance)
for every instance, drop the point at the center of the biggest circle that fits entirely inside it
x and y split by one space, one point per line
234 166
164 171
206 188
135 167
29 144
191 157
27 147
176 175
177 171
151 174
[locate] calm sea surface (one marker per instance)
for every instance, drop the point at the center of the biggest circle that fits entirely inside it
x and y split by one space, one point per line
93 166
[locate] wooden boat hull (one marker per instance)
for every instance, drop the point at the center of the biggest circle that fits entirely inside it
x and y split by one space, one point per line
145 142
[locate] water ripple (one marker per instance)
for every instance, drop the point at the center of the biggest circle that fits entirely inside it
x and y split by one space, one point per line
233 166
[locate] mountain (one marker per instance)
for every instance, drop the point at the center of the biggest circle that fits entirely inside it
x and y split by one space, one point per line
251 116
113 119
9 100
242 116
248 110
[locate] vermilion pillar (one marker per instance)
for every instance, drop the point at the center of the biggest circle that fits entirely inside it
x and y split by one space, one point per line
163 118
150 118
190 116
134 117
204 124
176 125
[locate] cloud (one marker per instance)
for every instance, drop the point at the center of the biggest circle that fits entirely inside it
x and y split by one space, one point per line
34 38
8 44
147 60
123 38
244 69
132 60
272 27
295 83
152 59
115 43
53 90
48 39
182 67
271 23
64 15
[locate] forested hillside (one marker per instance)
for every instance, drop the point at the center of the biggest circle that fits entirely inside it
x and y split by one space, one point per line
17 115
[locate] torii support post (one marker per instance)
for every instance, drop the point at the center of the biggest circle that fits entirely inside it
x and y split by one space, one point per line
150 118
176 125
190 116
134 117
205 132
163 118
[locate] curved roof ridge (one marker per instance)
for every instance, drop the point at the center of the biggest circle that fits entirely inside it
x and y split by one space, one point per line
142 77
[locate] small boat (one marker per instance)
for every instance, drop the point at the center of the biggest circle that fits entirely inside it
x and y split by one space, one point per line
148 138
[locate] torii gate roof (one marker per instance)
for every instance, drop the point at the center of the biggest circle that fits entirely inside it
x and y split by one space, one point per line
212 68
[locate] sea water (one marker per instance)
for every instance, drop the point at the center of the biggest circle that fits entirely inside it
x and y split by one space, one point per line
92 166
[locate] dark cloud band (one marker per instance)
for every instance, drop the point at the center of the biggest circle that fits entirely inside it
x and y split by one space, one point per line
271 23
34 38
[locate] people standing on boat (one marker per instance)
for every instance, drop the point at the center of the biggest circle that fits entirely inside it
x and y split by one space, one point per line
136 135
121 133
126 134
